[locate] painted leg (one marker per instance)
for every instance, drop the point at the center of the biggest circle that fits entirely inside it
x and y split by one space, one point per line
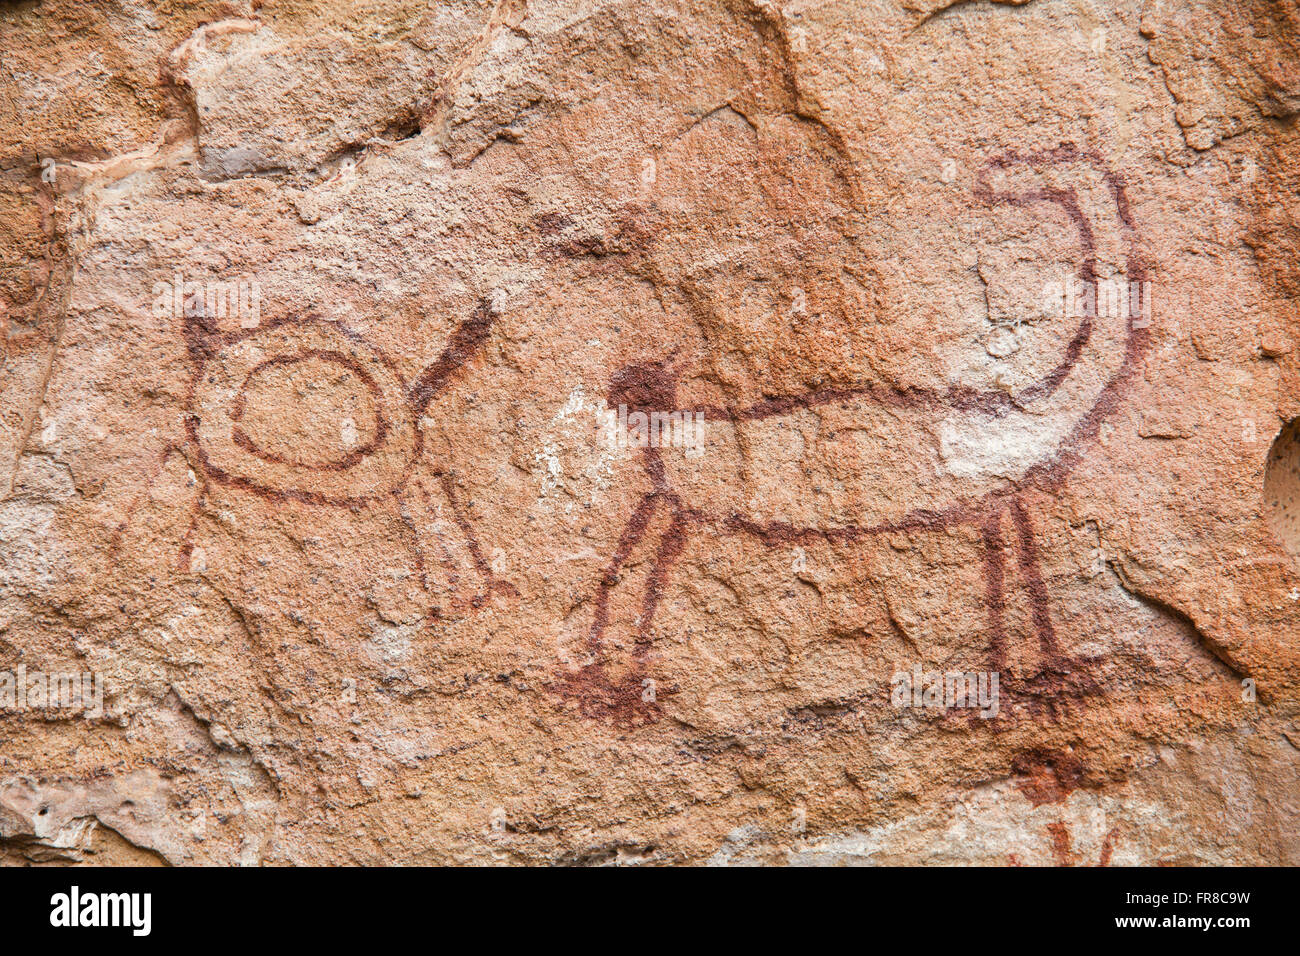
441 547
1030 571
1064 676
632 534
592 688
670 548
995 592
490 580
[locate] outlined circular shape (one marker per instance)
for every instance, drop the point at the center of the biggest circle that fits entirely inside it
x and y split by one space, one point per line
219 407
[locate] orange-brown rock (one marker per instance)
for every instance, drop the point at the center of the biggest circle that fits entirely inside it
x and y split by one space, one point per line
596 432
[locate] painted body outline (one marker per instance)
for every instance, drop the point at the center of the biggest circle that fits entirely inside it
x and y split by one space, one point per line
209 347
626 701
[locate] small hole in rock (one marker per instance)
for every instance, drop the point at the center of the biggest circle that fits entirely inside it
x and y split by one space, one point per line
1282 487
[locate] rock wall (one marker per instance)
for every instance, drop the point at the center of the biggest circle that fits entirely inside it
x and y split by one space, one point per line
609 433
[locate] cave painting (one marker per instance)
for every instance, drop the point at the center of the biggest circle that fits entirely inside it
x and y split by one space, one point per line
1060 413
232 411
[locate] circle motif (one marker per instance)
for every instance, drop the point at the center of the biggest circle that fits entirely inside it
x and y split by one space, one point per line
233 452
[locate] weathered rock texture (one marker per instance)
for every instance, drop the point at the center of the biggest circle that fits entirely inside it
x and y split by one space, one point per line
310 315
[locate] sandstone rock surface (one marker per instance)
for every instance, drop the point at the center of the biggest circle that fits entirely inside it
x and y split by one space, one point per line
326 332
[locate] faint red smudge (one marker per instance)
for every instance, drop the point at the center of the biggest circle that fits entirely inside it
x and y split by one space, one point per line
1047 776
1107 847
1060 844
